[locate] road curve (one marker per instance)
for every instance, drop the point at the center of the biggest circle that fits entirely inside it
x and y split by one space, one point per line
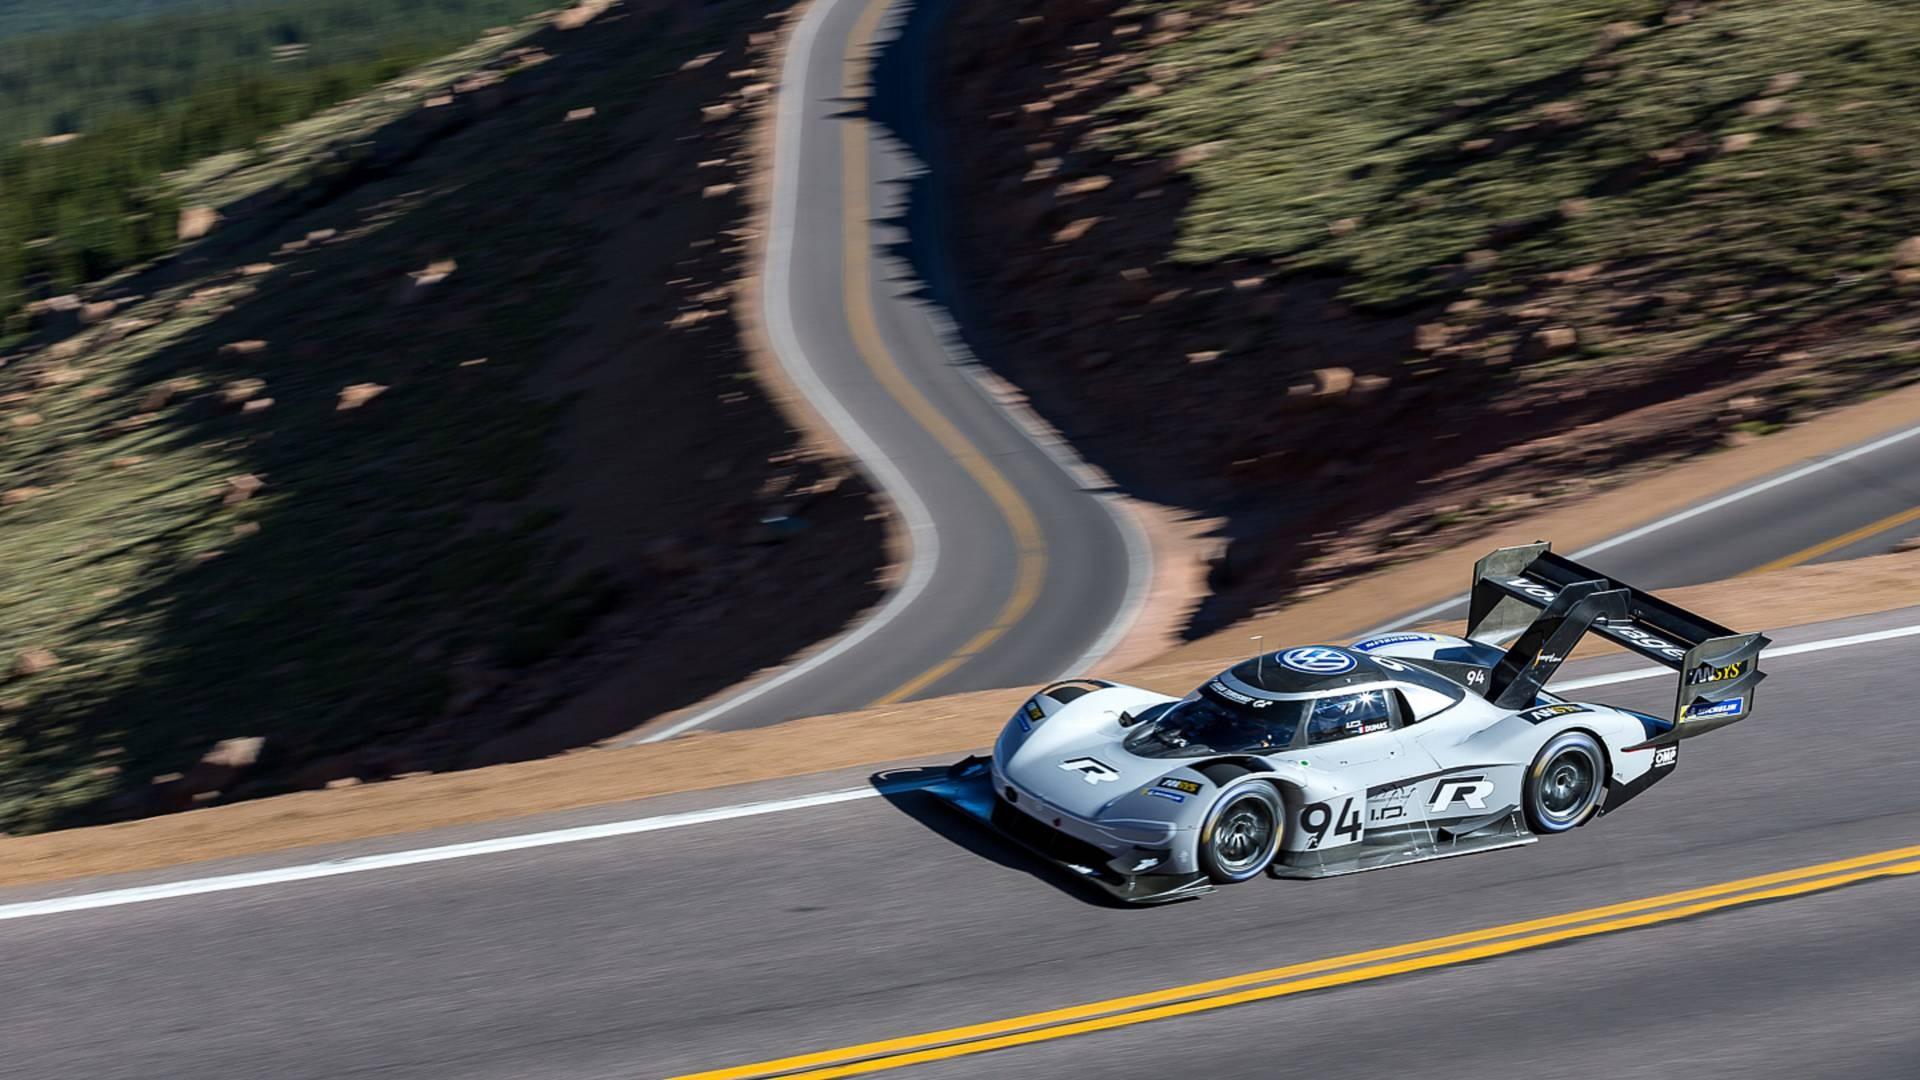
1022 568
1859 501
723 943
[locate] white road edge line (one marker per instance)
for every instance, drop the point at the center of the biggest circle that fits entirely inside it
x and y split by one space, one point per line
1674 519
364 863
924 536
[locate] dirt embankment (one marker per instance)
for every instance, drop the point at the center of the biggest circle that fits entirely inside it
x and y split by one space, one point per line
439 450
947 726
1363 278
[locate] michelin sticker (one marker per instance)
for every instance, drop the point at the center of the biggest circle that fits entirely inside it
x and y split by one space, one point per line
1729 707
1317 660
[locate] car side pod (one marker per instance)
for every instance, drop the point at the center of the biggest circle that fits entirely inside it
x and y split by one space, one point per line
968 788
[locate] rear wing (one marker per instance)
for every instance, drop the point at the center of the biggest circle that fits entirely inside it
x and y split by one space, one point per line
1537 606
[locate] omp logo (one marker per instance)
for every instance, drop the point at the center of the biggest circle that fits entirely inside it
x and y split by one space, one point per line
1469 791
1317 660
1092 770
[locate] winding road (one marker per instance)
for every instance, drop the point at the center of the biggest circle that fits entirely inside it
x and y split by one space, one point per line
1022 567
1751 917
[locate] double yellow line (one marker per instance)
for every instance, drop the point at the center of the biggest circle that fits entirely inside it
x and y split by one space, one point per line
857 278
1828 547
1320 974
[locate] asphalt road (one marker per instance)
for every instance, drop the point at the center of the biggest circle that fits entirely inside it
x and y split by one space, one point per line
1856 502
1022 568
1870 498
735 942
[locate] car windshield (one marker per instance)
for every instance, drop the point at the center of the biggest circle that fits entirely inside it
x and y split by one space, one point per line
1210 722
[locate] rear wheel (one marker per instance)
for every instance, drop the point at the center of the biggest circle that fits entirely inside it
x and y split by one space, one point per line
1565 782
1242 833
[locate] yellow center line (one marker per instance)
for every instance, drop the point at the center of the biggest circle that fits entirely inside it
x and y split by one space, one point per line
1356 967
1826 547
857 276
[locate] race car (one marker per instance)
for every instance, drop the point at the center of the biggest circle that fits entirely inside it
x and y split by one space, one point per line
1321 760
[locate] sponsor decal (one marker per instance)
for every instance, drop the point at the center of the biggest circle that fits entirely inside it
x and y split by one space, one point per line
1469 791
1092 770
1229 693
1191 787
1532 588
1390 804
1543 713
1729 707
1165 794
1645 640
1707 673
1548 658
1030 712
1385 640
1665 756
1145 864
1317 660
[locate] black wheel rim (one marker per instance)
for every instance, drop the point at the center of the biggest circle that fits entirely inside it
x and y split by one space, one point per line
1242 836
1567 784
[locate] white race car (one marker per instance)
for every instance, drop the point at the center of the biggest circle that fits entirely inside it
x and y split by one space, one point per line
1324 760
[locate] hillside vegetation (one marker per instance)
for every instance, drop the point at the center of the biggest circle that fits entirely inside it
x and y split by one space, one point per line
40 16
1763 148
417 462
1390 268
94 119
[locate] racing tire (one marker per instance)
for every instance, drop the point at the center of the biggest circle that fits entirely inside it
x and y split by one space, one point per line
1565 782
1242 833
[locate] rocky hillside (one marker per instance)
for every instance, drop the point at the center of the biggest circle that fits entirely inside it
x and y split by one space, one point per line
1357 274
437 445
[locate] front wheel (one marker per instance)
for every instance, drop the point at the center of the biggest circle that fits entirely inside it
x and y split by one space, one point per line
1242 833
1565 782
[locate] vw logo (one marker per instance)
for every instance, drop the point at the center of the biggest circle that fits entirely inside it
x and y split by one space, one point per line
1317 660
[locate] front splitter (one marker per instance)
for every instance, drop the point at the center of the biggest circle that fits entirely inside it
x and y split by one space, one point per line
968 788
